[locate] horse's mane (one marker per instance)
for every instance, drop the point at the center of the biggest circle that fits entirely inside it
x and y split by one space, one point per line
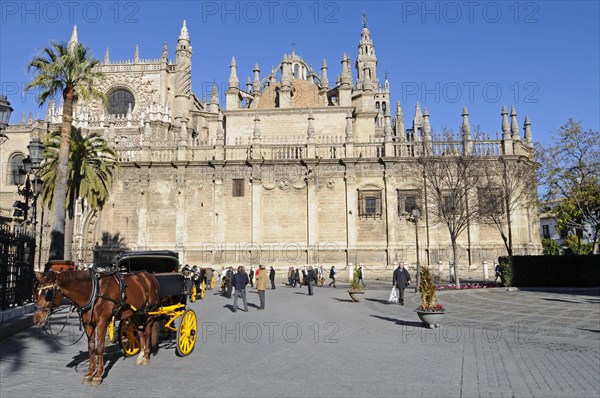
62 277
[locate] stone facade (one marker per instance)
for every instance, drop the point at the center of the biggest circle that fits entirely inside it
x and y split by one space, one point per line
294 170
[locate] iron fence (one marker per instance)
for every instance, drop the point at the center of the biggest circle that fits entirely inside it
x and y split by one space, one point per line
17 254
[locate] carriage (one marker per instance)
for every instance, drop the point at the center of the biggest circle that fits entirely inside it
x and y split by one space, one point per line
175 288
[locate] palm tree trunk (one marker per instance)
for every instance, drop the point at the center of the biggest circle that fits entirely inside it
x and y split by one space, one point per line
57 235
69 228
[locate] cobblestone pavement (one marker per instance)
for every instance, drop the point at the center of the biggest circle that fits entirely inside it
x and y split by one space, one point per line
492 343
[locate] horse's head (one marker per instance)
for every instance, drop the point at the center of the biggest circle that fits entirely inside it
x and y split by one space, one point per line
47 296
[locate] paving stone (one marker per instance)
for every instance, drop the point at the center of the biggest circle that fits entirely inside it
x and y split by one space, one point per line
326 345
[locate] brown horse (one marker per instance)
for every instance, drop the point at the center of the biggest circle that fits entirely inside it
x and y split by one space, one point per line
99 298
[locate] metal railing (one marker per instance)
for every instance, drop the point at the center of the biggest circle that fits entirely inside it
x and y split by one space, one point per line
17 254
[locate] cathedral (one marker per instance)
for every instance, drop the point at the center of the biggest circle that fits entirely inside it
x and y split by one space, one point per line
293 168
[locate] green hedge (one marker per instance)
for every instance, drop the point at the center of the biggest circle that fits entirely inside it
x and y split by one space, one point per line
551 271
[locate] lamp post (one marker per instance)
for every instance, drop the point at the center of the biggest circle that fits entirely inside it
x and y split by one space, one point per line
414 217
29 184
5 111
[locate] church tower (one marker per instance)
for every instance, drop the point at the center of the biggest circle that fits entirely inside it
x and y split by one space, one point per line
183 75
366 62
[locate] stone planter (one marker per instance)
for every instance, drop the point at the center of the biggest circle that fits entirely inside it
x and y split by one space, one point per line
430 319
356 295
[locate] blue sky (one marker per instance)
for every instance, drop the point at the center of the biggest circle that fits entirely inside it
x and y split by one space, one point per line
541 56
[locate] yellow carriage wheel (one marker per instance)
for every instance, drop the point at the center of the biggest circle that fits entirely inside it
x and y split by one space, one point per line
202 290
213 281
186 333
193 293
128 338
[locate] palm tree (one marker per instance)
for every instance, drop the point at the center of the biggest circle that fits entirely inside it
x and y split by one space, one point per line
67 70
89 175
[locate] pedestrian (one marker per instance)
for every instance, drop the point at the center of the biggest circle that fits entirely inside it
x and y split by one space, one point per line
229 277
251 276
291 277
360 276
209 278
310 279
332 273
272 277
240 280
197 280
498 272
297 278
261 284
401 280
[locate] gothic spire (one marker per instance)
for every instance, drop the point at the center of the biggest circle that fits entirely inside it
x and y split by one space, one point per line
214 94
184 35
514 125
366 61
399 121
233 79
466 126
136 54
418 119
349 126
74 41
106 56
527 127
256 83
426 125
505 124
324 80
165 51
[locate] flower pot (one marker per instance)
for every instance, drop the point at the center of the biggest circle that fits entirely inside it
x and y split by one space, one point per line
356 295
430 319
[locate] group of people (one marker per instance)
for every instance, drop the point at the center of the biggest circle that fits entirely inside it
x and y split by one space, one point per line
240 280
310 276
199 275
295 279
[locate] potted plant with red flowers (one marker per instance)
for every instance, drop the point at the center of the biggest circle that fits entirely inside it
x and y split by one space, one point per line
429 311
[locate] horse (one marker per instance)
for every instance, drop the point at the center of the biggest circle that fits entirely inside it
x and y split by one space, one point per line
100 297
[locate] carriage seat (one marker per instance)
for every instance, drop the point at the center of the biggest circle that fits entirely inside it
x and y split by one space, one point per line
171 283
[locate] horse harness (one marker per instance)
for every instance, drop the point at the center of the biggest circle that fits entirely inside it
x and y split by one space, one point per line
120 306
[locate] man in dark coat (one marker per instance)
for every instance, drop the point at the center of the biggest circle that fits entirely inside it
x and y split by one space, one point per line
310 279
229 276
240 280
401 280
272 277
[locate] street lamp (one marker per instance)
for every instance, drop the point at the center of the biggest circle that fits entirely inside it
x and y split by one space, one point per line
414 217
5 111
29 184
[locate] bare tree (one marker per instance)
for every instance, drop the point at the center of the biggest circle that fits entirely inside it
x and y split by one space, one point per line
449 182
570 176
507 184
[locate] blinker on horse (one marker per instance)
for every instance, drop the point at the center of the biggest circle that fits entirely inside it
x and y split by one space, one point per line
99 297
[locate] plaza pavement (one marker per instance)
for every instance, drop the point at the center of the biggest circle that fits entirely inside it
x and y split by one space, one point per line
492 343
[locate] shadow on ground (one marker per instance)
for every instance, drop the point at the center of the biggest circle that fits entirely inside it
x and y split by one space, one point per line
399 321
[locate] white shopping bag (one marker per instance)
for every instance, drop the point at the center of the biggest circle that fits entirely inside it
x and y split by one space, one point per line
393 295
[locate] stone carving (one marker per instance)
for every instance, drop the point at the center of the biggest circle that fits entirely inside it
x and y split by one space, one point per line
284 183
143 89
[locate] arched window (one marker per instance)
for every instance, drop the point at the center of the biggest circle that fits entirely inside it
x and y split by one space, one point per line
297 71
119 101
15 161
